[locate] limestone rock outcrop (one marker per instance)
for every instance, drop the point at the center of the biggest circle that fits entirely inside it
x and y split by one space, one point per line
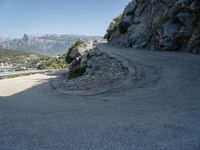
92 68
81 49
167 25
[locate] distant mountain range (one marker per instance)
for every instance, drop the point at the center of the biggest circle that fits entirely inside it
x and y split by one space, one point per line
48 44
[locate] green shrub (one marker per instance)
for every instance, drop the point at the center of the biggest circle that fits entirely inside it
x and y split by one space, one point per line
78 43
52 63
105 36
78 71
55 66
196 18
123 27
113 27
117 19
110 32
68 58
116 27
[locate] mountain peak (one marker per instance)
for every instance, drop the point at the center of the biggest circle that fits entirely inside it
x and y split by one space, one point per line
25 37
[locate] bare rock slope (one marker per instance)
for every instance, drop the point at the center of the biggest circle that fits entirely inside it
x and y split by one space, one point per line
172 25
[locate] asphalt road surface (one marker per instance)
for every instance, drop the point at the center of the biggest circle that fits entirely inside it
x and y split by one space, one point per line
158 111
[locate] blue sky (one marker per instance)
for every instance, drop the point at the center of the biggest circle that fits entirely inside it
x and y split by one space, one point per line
88 17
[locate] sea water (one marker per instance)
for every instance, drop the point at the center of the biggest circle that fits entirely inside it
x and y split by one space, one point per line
4 70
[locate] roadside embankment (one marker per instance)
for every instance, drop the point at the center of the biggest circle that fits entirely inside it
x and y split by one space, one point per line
22 73
91 69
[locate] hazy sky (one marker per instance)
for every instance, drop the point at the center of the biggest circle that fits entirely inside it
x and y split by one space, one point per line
88 17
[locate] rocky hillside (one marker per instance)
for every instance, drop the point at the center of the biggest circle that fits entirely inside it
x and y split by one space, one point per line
29 60
12 57
167 25
49 44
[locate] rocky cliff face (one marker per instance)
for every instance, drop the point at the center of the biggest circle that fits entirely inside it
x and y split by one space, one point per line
49 44
168 25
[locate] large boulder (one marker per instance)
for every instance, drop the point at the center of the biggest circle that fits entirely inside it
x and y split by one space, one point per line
81 49
75 53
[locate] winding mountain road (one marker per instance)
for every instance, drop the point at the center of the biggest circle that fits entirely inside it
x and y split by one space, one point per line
158 111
